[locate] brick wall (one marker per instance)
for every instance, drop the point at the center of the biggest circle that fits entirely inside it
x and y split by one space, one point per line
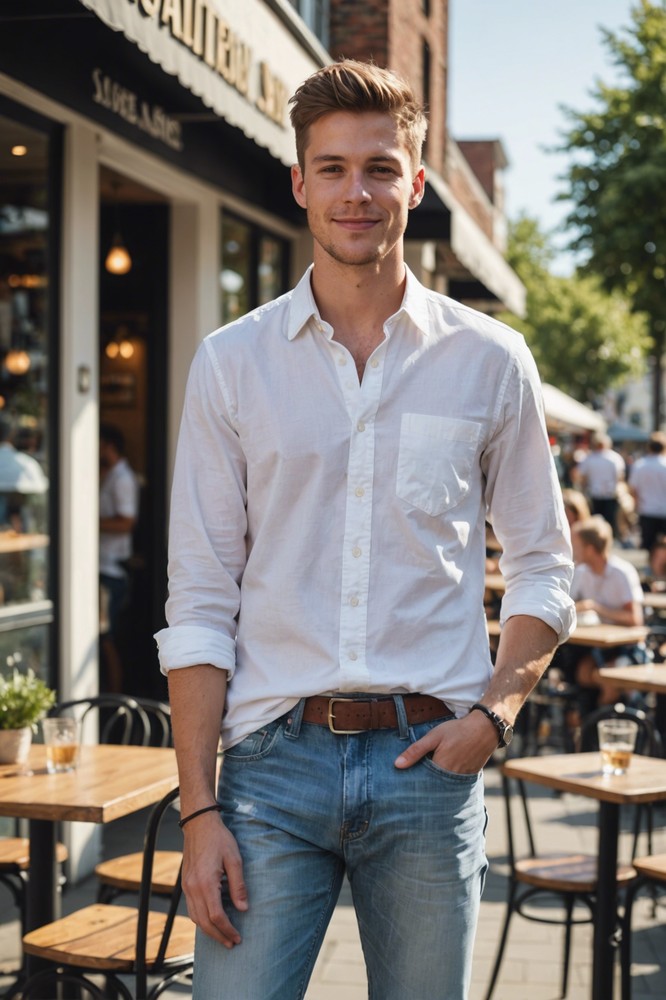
359 30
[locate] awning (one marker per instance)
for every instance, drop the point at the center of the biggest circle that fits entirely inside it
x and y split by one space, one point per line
263 61
476 259
567 414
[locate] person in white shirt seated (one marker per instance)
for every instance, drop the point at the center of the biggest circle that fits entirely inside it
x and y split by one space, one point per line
608 587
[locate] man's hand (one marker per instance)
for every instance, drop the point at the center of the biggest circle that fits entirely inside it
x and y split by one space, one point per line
460 745
210 852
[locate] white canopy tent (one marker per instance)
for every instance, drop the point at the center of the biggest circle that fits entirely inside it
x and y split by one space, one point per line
563 413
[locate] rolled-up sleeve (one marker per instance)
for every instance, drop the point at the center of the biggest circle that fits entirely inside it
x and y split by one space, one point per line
208 527
524 501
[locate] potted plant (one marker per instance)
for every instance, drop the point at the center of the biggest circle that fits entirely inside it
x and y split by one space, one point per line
24 700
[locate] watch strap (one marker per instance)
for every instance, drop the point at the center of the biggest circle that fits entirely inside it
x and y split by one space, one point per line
500 725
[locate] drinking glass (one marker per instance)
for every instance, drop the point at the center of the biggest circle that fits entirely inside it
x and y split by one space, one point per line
61 738
617 740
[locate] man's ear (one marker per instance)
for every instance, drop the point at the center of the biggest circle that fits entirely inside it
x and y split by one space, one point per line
298 186
418 188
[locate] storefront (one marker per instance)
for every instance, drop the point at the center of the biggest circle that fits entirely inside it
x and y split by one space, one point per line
156 129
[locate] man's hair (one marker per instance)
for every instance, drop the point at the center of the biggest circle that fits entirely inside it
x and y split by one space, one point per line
350 85
657 442
595 531
600 441
113 435
576 502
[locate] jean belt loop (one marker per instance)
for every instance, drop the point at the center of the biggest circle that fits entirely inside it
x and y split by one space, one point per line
403 725
294 718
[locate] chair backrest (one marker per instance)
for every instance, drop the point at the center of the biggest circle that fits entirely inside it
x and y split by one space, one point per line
120 718
647 740
145 894
159 717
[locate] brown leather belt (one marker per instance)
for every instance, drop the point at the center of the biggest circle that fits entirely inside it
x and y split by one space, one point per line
357 715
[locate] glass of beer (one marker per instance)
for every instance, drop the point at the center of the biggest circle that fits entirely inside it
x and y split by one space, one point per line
61 738
617 740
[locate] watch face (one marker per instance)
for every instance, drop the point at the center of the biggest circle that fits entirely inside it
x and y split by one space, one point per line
507 735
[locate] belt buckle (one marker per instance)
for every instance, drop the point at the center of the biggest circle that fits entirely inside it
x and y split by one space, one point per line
331 718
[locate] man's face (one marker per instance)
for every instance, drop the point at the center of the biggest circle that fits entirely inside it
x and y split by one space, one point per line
358 185
581 550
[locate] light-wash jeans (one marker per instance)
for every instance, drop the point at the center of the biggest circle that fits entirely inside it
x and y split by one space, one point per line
305 806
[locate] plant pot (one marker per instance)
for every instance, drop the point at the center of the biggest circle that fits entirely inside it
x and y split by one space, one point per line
15 745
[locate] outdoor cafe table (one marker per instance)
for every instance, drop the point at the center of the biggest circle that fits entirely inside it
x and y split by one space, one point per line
643 677
109 782
580 774
604 636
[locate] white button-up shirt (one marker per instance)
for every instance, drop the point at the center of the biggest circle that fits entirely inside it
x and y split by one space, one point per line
328 536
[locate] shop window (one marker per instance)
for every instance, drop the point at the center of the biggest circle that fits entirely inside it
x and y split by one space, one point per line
316 14
254 267
25 426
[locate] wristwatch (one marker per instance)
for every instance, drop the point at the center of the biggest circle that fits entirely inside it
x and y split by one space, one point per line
504 730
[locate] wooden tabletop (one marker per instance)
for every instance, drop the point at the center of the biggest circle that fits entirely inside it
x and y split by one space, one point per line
13 541
109 782
646 677
606 636
655 601
580 773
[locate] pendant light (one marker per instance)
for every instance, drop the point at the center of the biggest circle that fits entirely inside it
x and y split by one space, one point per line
118 260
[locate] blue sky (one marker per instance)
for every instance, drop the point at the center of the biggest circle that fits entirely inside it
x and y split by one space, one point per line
512 63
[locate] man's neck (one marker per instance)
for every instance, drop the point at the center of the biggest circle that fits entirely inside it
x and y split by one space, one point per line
357 297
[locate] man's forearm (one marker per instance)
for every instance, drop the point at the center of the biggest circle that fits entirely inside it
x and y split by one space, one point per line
197 696
526 648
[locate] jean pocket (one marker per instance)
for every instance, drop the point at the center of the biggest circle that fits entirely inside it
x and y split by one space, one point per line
256 746
421 729
435 461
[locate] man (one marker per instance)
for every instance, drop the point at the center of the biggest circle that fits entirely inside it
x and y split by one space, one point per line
609 587
339 451
599 475
118 510
22 482
647 482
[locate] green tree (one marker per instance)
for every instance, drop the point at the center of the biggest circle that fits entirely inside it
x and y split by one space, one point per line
617 177
584 339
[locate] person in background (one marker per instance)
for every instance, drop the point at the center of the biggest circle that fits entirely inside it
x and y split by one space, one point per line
598 476
608 587
118 511
647 482
576 506
339 451
22 480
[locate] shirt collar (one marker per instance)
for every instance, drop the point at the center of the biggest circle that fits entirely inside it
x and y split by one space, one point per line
303 307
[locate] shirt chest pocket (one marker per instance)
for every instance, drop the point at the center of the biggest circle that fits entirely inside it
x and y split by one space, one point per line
435 461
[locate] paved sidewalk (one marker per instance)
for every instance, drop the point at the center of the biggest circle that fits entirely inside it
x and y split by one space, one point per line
532 964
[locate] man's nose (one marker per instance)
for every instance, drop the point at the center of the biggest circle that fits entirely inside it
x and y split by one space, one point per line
357 188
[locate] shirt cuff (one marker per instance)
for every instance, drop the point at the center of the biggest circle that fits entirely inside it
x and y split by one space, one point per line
561 617
190 645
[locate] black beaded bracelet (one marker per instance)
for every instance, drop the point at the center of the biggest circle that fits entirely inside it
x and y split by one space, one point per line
206 809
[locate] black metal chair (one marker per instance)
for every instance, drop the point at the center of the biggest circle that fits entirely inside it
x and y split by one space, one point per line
651 872
123 874
120 718
568 877
117 941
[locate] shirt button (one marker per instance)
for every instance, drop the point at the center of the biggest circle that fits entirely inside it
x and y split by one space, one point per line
356 552
342 361
353 601
360 426
374 363
359 491
353 656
